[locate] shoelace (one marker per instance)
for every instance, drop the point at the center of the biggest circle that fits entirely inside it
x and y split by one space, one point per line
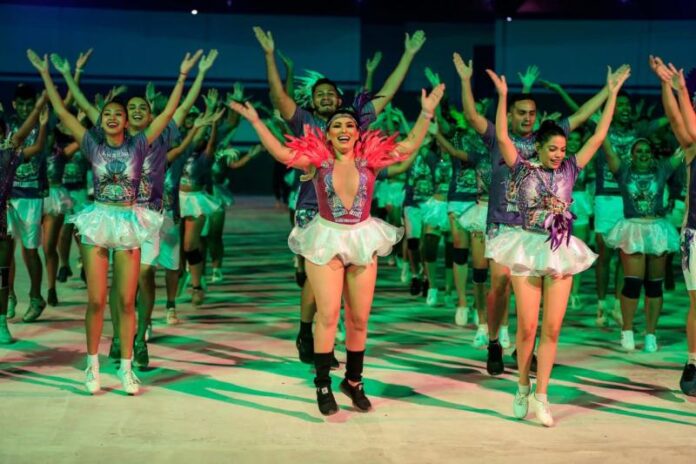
130 378
91 372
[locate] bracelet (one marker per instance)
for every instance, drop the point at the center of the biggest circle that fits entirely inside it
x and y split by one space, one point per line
426 115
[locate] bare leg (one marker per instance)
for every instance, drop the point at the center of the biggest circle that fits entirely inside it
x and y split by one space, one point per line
655 274
51 231
146 300
327 282
125 279
556 291
528 295
634 268
498 297
192 242
460 239
96 263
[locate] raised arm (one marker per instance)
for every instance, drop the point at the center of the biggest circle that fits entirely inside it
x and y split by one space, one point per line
669 102
160 122
530 76
507 148
277 150
412 44
449 148
614 83
63 67
68 119
251 154
370 67
593 104
428 105
79 64
281 99
205 64
289 73
613 160
402 166
465 71
567 99
29 123
685 105
177 151
40 142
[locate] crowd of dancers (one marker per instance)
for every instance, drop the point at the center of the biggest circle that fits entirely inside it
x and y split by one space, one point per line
141 182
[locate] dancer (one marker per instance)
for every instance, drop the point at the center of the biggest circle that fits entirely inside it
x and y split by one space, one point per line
324 98
501 214
543 254
12 153
113 223
644 236
341 243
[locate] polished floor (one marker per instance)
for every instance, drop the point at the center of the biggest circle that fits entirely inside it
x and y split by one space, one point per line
226 386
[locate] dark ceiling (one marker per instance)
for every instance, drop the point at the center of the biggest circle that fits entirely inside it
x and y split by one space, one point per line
429 10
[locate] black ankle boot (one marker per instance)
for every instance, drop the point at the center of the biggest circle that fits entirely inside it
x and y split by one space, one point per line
356 393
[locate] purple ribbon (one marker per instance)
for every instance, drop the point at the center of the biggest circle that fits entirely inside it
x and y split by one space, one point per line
560 227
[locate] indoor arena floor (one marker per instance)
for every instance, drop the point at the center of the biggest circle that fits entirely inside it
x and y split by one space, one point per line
226 385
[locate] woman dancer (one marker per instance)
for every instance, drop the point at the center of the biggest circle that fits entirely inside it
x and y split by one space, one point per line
113 223
341 243
644 236
12 154
543 253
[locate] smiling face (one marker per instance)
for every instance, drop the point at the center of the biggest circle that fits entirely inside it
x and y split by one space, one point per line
574 142
642 156
23 107
325 99
343 133
622 111
552 152
113 119
139 114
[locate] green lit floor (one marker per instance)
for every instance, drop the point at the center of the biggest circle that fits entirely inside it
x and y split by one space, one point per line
226 385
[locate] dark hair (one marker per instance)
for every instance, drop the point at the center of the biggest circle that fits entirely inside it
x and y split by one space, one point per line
118 101
326 80
25 92
131 97
623 93
641 140
547 130
517 97
347 110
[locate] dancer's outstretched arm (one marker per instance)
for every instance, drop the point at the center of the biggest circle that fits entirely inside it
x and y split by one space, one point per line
507 148
588 150
591 106
281 100
205 64
63 67
428 105
40 142
465 71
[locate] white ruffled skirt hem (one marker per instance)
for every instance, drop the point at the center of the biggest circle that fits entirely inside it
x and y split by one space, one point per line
58 201
529 254
320 241
195 204
474 218
116 227
645 236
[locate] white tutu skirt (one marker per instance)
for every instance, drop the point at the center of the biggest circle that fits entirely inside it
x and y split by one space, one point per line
435 214
223 195
646 236
529 254
474 218
116 227
320 241
194 204
58 201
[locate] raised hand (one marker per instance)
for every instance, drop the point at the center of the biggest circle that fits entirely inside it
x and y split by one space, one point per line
287 62
189 61
265 39
83 59
255 150
211 100
116 91
247 111
550 85
430 102
432 77
43 116
207 61
413 43
41 64
61 64
616 79
237 91
529 77
499 82
218 114
465 70
373 62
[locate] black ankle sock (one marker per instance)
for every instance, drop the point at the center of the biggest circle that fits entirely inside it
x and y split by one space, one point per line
322 365
171 304
197 287
494 341
306 329
354 365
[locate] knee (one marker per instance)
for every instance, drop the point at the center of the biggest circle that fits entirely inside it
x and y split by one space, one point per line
480 276
631 287
526 332
499 284
551 334
460 256
413 244
653 288
358 323
96 305
328 318
430 248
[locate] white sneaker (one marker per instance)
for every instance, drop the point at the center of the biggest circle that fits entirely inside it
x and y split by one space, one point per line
431 300
481 337
627 341
341 331
520 405
5 335
92 382
171 316
216 278
504 336
405 273
542 411
650 343
461 316
129 381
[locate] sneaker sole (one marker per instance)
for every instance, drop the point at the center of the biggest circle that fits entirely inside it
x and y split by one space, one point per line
355 406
